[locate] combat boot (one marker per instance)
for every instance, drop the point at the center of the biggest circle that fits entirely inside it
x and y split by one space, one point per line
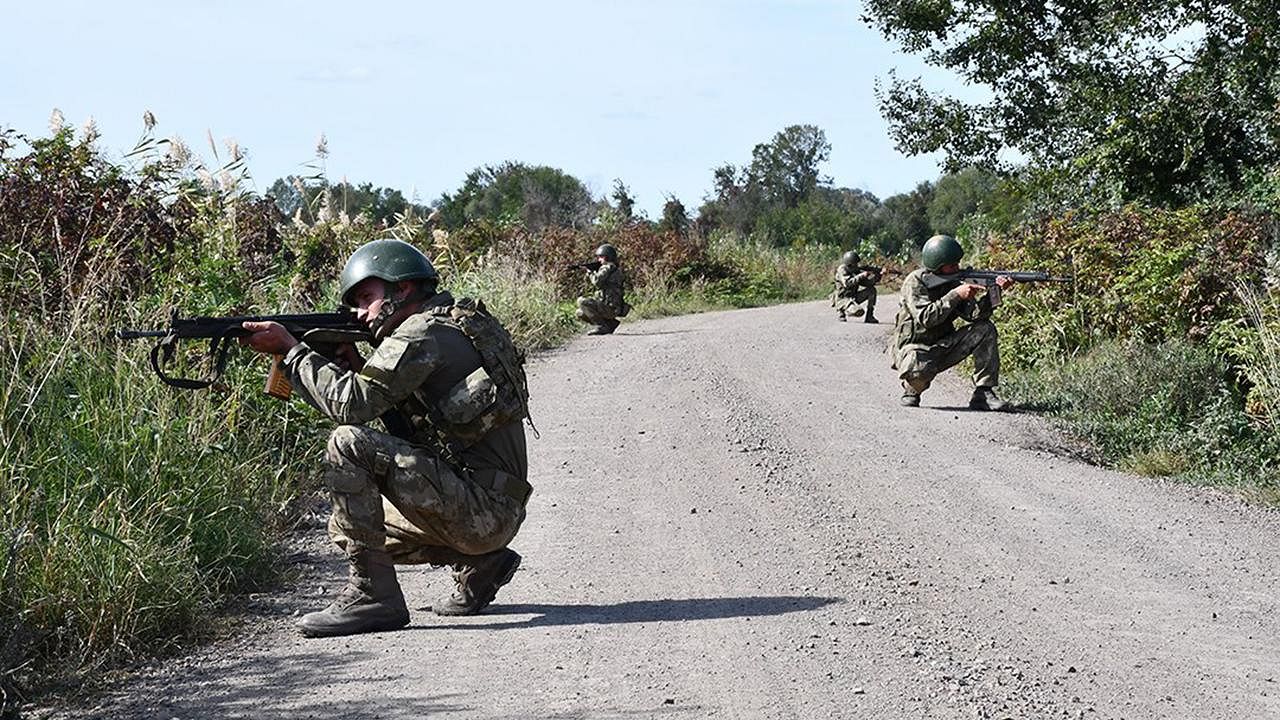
985 398
475 585
370 602
910 396
840 316
870 319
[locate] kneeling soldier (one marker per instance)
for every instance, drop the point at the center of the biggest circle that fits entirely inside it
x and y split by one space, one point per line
854 285
926 339
447 483
609 304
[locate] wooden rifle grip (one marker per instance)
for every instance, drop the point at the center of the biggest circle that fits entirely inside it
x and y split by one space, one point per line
278 384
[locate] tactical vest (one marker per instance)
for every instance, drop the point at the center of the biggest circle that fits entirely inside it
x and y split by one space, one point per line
494 394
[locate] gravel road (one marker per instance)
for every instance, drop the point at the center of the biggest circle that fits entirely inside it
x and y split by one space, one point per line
733 518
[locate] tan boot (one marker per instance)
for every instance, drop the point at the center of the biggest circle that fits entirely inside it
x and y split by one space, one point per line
370 602
476 584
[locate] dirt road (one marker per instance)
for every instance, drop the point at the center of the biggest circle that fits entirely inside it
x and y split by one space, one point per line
734 519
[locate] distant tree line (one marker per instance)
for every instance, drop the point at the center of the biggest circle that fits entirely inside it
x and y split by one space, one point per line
780 198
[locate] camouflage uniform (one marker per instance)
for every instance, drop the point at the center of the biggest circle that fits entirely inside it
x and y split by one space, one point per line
609 303
852 287
927 341
410 493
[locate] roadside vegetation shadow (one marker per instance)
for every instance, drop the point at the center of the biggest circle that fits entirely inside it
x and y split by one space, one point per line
644 611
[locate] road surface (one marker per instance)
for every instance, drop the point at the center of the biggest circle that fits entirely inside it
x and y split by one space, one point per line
733 518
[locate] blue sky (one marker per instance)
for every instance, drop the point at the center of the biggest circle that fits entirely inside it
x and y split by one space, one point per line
414 95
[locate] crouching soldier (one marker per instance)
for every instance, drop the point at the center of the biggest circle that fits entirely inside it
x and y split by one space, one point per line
926 339
446 482
609 302
854 285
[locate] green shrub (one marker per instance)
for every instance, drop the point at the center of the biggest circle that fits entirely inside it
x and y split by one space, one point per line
1163 409
1140 273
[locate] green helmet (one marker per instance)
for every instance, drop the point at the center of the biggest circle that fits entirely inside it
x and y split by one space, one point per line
387 259
940 250
608 252
849 259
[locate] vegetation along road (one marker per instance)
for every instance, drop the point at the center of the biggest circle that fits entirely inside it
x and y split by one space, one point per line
733 518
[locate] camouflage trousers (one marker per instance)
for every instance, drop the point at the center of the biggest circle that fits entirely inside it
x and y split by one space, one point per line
389 494
843 303
593 311
918 367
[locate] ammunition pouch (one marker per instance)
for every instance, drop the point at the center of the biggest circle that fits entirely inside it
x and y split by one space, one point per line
503 483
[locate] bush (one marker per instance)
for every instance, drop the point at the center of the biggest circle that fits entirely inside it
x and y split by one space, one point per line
1158 409
1140 273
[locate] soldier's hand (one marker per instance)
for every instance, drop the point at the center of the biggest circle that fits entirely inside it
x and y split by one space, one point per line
268 337
1004 281
968 291
347 357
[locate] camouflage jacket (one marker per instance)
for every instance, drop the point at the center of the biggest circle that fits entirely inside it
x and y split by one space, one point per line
608 281
849 279
929 310
414 368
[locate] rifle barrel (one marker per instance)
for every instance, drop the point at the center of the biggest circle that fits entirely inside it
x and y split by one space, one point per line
135 334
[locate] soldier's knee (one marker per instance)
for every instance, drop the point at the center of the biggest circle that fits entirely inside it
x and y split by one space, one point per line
985 328
346 444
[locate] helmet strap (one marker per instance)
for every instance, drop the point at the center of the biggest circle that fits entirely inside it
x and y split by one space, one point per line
389 307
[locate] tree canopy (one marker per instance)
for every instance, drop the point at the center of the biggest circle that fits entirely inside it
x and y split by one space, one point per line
1165 101
536 195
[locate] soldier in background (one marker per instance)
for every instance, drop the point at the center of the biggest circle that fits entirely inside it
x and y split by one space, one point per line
447 481
609 303
926 339
854 285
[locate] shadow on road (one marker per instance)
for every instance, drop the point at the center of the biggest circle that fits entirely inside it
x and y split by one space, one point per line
658 332
641 611
967 409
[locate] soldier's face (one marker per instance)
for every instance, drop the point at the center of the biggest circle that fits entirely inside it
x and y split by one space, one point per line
367 297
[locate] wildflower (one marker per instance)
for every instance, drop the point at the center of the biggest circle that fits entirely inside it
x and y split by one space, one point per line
233 149
206 180
148 120
179 153
89 131
56 121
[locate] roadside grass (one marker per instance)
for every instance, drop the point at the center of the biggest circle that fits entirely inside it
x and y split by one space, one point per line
1162 410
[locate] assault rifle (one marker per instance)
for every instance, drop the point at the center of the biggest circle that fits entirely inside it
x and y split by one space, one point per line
987 279
322 331
592 266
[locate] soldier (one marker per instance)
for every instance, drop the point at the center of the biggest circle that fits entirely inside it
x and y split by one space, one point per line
854 285
927 340
447 483
603 310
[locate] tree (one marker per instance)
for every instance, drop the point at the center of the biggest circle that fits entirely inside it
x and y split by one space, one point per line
1159 100
674 217
783 174
904 220
625 203
957 196
535 195
381 205
786 167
